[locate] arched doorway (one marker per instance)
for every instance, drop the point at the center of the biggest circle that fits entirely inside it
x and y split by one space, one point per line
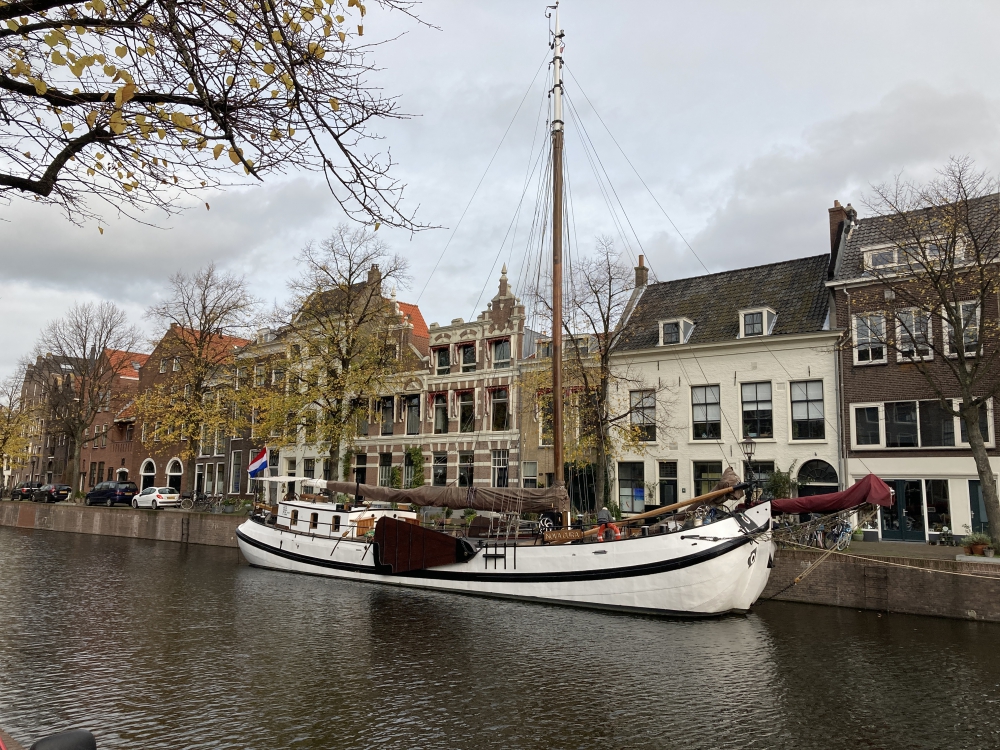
148 473
122 475
817 477
175 471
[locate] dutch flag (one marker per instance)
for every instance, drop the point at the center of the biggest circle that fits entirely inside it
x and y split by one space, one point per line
259 463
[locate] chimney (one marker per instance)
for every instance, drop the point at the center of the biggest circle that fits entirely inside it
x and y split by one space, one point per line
641 274
375 275
838 215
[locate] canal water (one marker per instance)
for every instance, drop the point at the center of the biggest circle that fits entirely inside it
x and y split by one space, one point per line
158 645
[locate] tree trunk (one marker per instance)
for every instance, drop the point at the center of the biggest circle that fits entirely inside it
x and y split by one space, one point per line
74 460
988 487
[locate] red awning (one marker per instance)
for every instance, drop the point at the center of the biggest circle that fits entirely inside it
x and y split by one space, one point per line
871 490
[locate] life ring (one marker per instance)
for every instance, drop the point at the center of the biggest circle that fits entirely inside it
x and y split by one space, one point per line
604 527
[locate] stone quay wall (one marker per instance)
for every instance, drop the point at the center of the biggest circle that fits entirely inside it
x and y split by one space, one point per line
914 586
218 530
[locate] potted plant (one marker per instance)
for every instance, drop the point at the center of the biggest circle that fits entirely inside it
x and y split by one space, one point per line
989 551
858 535
976 543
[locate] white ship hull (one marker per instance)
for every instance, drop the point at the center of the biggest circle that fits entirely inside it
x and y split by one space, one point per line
710 570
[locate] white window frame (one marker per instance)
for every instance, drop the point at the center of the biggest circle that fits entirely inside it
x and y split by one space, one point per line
685 327
901 333
947 328
990 439
768 317
868 252
499 459
529 474
854 336
880 445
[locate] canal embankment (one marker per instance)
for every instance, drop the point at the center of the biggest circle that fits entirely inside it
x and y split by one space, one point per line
215 529
9 742
923 582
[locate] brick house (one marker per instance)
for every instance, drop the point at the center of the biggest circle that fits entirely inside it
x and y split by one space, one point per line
48 448
709 361
894 425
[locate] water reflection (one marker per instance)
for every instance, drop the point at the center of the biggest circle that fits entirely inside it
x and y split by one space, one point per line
155 645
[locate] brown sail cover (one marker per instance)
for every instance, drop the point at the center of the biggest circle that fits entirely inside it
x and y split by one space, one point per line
871 490
498 499
405 546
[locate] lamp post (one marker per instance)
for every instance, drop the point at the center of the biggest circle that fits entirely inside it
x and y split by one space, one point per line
748 446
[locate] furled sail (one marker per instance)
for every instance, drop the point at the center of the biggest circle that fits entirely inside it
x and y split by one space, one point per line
498 499
870 490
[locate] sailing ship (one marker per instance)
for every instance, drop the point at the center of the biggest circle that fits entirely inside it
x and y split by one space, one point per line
700 557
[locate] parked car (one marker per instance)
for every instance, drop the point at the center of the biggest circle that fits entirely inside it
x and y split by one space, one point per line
24 491
111 493
157 497
52 493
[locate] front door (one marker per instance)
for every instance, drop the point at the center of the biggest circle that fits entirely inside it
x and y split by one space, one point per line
904 520
979 520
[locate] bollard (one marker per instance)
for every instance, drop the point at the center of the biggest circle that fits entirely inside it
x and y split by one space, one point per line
74 739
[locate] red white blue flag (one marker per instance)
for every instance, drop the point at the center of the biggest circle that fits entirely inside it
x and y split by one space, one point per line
259 463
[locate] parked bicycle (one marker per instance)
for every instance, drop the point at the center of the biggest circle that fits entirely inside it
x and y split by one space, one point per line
839 536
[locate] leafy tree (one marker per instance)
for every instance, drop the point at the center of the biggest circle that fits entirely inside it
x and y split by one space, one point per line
203 395
344 339
88 347
139 102
944 277
15 420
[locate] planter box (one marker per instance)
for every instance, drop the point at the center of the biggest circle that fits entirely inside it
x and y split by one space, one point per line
871 535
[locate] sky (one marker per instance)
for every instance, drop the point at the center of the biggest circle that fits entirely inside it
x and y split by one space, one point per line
744 122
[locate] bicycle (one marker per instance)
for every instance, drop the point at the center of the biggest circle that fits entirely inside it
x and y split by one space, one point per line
839 537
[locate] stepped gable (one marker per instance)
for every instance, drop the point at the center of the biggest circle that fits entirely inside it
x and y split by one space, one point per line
795 289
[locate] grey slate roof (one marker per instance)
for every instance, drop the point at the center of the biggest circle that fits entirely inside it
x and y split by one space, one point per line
881 230
795 289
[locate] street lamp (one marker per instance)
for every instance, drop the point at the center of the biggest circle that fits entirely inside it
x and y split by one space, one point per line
748 446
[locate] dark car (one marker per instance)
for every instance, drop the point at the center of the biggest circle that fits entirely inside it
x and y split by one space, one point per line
111 493
24 491
52 493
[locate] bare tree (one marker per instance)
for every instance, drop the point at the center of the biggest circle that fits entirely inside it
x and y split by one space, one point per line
938 259
345 337
82 353
139 102
15 420
601 289
204 323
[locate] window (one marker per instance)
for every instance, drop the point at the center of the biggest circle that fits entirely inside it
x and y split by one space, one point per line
671 333
866 426
412 414
440 413
501 354
465 468
706 475
277 377
753 324
675 331
937 425
529 474
259 373
817 477
882 258
499 468
327 469
156 432
163 365
309 468
313 521
500 411
466 412
147 474
93 474
757 471
408 470
668 482
443 359
335 526
706 414
177 364
984 425
290 467
361 468
808 422
631 487
643 414
440 470
869 339
758 421
386 412
175 471
968 313
237 475
901 424
468 352
384 469
295 518
913 334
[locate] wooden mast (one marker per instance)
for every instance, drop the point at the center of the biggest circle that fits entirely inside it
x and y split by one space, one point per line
557 277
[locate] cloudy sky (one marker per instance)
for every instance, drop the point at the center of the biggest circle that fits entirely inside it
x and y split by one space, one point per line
745 120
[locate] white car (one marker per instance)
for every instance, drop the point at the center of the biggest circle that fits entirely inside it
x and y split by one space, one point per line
156 498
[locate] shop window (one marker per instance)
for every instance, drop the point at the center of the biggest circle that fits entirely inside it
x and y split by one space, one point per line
938 506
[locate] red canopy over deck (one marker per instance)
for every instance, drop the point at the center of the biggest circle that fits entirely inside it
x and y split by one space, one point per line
870 490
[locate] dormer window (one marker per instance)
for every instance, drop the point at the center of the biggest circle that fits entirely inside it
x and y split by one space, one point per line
757 322
676 331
